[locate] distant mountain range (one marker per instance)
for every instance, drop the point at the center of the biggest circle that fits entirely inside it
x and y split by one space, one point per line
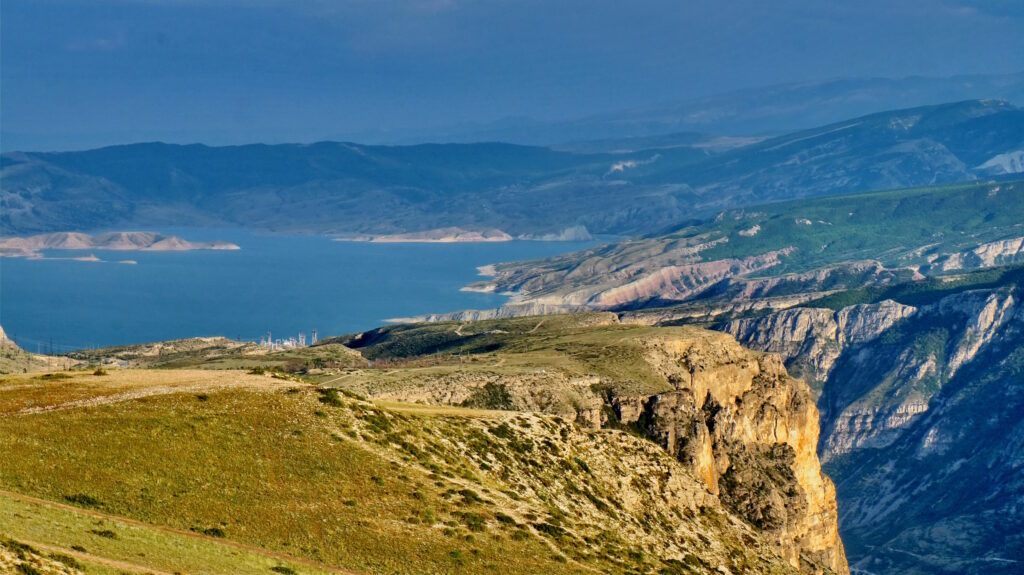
762 110
344 188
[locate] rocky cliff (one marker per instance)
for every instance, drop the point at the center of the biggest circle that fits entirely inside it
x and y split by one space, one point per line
810 340
872 390
749 432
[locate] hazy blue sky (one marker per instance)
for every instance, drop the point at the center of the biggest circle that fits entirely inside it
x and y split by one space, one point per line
78 73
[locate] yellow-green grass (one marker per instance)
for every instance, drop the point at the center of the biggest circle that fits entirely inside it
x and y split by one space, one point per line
65 389
266 465
290 472
615 356
102 543
219 353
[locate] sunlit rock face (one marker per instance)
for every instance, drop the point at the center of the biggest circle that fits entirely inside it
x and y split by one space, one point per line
749 432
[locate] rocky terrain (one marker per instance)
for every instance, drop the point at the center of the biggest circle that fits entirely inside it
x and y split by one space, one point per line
33 246
810 340
350 189
909 354
17 557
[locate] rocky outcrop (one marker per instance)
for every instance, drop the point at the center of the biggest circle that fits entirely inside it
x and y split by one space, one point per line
810 340
677 283
986 255
880 388
749 432
986 315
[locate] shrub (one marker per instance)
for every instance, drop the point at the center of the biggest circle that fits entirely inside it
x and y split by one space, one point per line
283 570
330 397
105 533
469 496
83 500
67 560
490 396
502 518
549 529
100 371
503 431
20 549
295 366
473 521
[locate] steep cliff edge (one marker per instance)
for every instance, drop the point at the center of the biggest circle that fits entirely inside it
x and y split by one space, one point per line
745 429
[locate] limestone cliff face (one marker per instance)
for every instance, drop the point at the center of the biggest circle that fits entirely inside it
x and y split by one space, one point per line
874 389
750 433
810 340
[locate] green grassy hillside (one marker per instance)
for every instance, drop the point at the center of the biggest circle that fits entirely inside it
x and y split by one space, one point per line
223 472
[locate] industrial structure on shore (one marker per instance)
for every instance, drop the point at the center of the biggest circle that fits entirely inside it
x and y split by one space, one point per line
272 344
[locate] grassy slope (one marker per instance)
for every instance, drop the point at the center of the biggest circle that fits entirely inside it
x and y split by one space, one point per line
305 476
578 345
923 292
879 225
219 353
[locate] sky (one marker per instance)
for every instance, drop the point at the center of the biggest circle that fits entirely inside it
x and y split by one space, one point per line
84 73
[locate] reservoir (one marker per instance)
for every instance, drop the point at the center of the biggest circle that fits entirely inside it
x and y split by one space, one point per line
278 283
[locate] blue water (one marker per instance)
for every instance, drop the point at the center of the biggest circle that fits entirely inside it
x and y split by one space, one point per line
285 284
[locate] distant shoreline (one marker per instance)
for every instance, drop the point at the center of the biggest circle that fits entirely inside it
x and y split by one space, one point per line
453 235
32 247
